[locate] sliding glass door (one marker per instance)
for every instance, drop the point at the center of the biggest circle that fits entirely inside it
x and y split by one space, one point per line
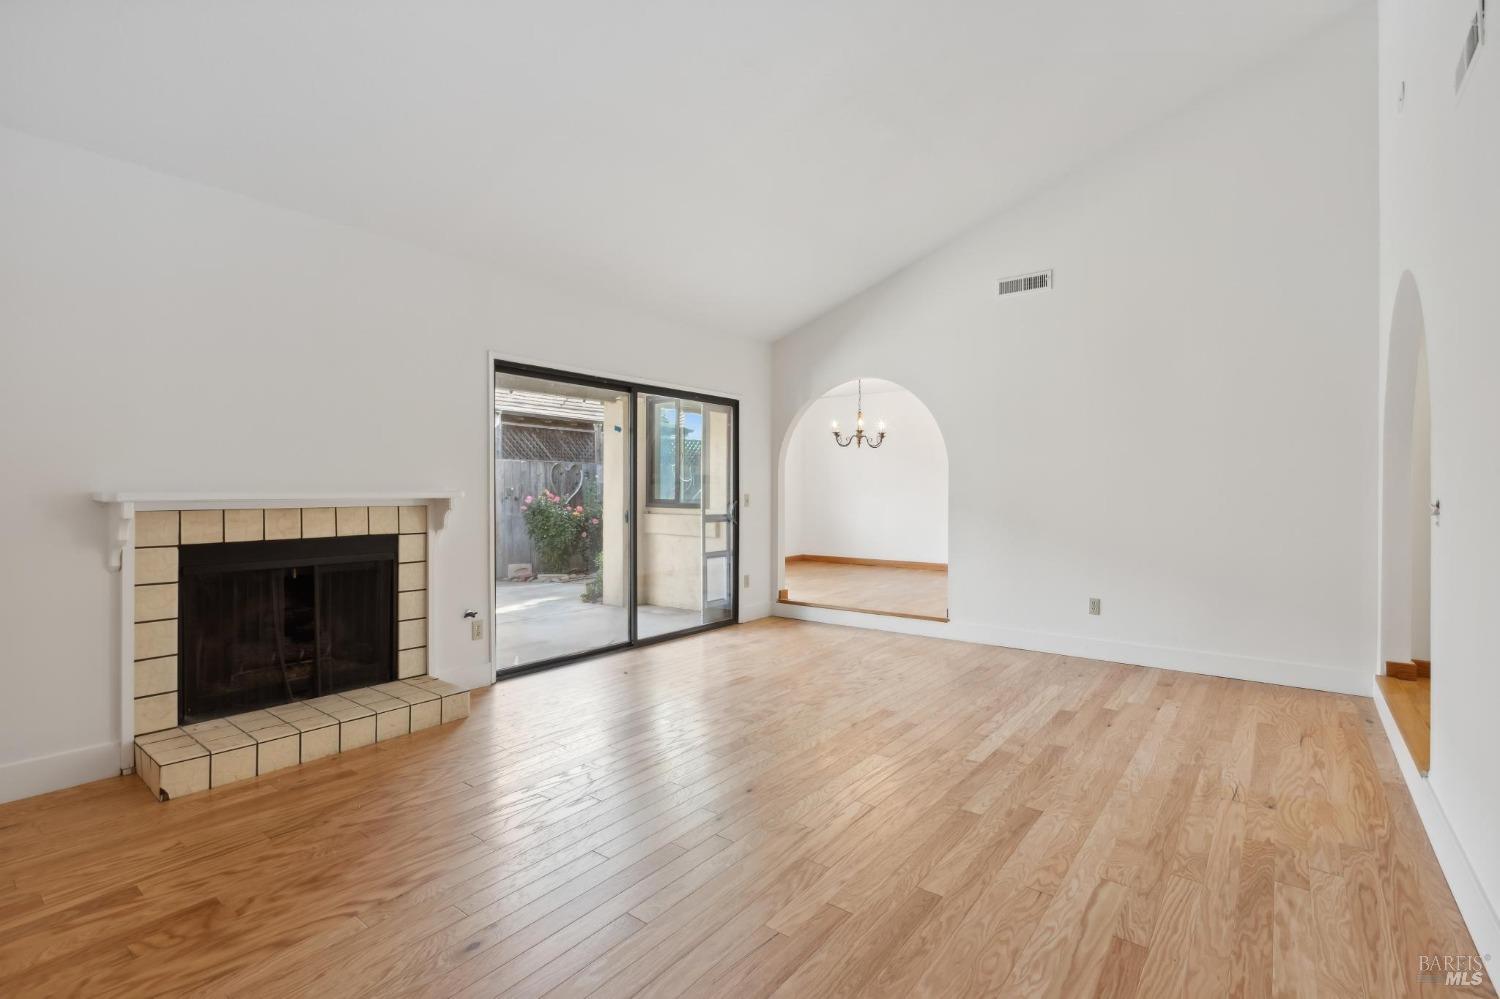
615 514
562 543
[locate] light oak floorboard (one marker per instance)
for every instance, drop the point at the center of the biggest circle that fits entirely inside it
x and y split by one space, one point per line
1410 702
880 589
780 808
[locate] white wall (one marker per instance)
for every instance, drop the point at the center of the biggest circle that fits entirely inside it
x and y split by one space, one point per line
163 335
891 503
1183 427
1440 229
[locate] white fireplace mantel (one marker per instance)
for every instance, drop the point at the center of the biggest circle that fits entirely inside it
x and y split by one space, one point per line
209 501
438 501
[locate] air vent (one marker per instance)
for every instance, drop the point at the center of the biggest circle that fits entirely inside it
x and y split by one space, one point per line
1040 281
1470 49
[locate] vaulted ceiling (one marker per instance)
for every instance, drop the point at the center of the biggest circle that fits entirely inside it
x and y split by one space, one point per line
739 166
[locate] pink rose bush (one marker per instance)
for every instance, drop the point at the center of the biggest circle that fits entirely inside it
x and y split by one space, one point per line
560 535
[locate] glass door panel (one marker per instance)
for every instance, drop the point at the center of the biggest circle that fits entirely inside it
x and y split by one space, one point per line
685 535
562 518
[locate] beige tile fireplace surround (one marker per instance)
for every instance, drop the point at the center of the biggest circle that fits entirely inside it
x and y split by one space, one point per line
174 761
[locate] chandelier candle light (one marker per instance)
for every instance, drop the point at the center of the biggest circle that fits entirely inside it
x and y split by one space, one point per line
859 438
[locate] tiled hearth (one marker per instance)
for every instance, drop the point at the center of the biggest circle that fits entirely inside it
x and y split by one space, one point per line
179 761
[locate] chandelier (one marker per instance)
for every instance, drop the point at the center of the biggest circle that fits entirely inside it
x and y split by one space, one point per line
859 438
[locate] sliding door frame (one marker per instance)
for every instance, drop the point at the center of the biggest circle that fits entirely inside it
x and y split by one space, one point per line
634 390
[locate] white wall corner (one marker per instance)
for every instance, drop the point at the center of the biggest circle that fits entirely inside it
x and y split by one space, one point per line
754 610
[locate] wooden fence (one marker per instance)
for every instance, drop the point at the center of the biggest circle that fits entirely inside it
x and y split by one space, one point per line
514 481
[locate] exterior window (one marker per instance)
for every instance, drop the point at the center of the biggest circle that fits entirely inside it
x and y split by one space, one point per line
677 452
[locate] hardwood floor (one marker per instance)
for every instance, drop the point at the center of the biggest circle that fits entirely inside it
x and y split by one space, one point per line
1410 702
780 808
879 589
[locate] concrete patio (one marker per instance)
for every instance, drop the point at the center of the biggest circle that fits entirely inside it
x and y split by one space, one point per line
538 620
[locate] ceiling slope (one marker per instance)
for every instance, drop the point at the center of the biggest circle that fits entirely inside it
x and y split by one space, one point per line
739 167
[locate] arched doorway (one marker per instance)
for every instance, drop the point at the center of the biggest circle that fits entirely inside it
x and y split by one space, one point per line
1408 516
862 527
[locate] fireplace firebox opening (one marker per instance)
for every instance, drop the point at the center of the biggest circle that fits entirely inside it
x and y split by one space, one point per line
268 622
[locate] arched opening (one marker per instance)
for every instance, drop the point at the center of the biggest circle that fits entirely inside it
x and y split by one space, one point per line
1407 521
864 523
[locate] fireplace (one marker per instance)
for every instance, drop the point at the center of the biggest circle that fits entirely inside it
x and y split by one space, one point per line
263 623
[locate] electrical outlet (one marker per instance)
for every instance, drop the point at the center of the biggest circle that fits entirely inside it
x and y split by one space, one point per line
747 581
476 629
1093 605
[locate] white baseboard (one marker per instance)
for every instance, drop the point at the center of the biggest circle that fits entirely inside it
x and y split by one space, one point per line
41 774
471 677
1287 674
1473 905
754 611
